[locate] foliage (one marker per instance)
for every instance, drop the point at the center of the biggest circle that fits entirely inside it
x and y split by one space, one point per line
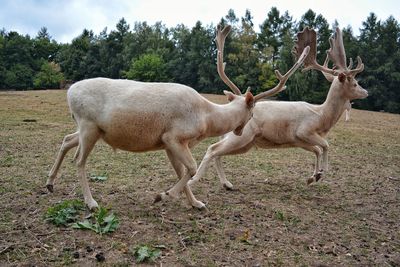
101 223
64 213
148 68
99 178
50 76
146 253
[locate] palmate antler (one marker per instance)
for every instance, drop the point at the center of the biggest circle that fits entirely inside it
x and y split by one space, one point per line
336 53
220 40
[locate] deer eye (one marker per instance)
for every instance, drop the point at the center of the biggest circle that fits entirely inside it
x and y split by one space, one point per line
355 85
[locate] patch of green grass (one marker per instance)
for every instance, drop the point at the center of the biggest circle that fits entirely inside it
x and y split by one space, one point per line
287 219
99 178
6 161
145 253
64 213
102 222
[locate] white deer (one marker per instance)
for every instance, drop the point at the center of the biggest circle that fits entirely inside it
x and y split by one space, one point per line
139 117
277 124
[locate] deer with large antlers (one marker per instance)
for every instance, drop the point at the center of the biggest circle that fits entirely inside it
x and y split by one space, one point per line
277 124
139 117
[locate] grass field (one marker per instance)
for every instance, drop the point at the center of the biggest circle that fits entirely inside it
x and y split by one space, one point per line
351 217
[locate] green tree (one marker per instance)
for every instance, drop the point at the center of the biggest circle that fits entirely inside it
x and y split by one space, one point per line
148 68
50 76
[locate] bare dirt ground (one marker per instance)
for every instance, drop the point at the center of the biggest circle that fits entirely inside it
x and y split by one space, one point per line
349 218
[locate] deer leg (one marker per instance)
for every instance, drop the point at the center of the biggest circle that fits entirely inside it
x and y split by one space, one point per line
317 140
221 174
69 142
181 153
317 170
88 136
230 144
180 171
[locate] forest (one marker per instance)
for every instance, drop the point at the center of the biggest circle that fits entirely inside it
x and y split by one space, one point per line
188 55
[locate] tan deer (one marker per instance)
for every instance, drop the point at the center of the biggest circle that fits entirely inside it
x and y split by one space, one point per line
139 117
277 124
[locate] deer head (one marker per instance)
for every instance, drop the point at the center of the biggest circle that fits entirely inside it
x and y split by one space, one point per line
341 76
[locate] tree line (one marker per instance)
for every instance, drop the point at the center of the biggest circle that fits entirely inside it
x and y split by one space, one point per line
188 56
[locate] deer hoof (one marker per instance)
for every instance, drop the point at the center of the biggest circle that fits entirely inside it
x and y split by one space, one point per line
201 208
310 180
92 205
50 188
158 198
318 176
228 186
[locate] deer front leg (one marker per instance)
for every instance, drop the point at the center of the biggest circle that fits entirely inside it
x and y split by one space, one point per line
316 140
317 175
185 167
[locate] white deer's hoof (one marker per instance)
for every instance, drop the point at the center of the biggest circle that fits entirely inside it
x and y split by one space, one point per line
318 176
228 186
50 187
200 206
92 204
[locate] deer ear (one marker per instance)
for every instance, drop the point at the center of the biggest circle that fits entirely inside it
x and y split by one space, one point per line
230 95
249 99
342 77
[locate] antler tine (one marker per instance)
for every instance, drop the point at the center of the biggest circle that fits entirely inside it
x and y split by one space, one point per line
220 40
350 64
308 37
283 78
337 53
358 69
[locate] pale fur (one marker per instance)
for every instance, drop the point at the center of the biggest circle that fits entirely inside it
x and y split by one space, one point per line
277 124
138 117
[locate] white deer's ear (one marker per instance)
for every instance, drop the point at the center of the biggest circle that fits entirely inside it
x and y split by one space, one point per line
230 95
249 99
342 77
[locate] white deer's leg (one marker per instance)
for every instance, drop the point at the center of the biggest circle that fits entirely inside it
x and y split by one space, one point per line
181 153
221 174
88 136
316 140
180 171
69 142
317 167
230 144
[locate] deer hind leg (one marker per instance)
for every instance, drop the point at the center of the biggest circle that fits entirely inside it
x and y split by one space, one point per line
231 144
70 141
317 175
88 136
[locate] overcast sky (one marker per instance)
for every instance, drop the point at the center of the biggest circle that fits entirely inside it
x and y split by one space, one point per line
65 19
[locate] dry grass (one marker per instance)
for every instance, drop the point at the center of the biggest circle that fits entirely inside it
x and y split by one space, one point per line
349 218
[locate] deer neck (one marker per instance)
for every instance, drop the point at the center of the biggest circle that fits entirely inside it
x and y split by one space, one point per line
332 108
224 118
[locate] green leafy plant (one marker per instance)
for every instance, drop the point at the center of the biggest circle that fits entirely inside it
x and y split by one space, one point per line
144 253
101 222
99 178
65 212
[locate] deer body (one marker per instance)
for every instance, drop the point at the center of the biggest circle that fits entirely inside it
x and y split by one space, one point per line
139 117
134 116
